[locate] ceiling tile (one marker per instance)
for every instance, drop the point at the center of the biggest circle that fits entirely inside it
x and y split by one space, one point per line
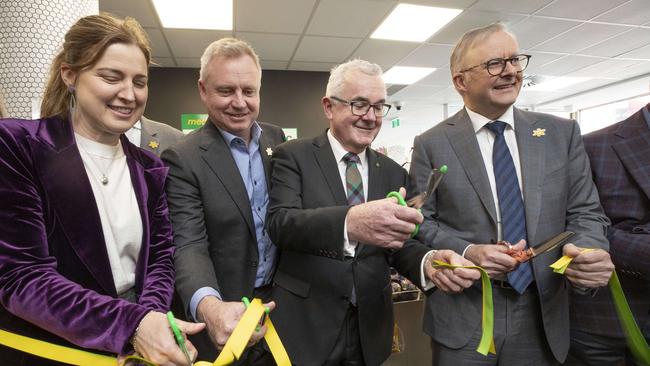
141 10
191 43
325 49
311 66
539 59
277 16
509 6
190 62
534 30
566 65
636 70
274 65
639 53
271 46
163 62
635 12
581 37
384 52
456 4
158 45
428 55
608 68
467 20
414 92
441 76
620 44
579 9
344 18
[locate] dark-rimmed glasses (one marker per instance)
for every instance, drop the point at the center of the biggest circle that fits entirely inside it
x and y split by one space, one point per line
361 107
496 66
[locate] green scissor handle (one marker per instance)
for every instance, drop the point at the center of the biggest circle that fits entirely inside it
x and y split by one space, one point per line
402 202
180 340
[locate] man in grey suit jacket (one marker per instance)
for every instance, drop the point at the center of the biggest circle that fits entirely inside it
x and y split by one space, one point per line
153 136
332 286
218 192
546 161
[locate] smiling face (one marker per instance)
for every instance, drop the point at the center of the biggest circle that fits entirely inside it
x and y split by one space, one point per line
483 93
231 92
355 133
110 95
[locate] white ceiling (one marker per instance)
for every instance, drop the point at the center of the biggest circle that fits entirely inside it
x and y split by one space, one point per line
608 40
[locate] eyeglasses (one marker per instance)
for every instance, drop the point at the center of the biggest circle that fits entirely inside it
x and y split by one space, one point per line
496 66
361 107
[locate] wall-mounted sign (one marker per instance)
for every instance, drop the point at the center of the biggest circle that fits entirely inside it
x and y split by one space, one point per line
290 133
191 122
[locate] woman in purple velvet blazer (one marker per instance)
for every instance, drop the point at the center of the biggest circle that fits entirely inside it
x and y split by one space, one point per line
85 239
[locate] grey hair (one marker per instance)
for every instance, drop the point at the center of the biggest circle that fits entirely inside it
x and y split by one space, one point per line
229 48
338 74
469 39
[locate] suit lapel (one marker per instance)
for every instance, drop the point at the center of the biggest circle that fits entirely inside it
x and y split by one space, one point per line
328 166
632 146
532 160
148 138
462 138
147 182
218 157
57 157
266 151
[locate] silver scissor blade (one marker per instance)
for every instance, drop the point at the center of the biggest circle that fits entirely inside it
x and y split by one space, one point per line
432 183
552 243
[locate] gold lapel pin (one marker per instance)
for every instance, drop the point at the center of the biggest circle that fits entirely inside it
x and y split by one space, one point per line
269 151
539 132
153 144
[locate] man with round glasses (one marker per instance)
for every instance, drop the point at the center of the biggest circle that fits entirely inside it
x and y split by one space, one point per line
514 176
338 234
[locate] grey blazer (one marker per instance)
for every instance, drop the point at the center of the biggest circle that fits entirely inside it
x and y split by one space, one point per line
559 195
156 136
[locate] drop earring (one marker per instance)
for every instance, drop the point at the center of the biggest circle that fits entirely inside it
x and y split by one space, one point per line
73 101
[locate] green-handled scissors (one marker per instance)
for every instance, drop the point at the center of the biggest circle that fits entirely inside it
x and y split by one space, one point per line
180 340
416 202
266 312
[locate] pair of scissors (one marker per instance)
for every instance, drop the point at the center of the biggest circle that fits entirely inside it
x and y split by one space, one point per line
266 312
178 335
435 177
532 252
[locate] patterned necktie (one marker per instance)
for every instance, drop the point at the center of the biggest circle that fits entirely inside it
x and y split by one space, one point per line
511 205
353 182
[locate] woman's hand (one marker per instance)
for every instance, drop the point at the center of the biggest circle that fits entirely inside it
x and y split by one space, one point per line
155 341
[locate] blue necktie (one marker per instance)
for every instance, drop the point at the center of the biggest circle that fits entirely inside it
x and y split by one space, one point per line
511 205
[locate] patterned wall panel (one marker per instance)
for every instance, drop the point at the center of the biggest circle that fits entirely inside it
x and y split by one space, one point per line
31 33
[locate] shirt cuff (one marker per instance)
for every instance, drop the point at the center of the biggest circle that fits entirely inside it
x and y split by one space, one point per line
465 250
426 283
348 246
198 296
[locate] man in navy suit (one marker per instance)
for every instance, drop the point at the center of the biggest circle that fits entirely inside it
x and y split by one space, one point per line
620 162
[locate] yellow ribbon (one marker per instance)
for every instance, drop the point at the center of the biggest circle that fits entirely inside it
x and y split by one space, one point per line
487 321
633 336
233 349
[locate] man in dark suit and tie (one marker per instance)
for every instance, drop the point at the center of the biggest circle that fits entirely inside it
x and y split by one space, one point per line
516 176
153 136
339 235
218 194
620 163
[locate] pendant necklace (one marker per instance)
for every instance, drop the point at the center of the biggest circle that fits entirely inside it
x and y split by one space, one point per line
104 174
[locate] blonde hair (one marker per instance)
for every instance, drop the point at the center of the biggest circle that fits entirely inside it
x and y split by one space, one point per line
469 39
83 46
229 48
336 81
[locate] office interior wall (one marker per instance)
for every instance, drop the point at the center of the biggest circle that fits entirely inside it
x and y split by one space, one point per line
288 98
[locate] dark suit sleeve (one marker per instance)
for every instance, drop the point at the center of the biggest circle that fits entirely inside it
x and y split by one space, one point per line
584 214
430 232
294 223
624 203
194 267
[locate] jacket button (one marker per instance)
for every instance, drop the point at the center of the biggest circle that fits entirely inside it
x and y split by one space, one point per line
254 264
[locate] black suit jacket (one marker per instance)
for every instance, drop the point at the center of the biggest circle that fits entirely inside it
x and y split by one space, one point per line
214 232
313 282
